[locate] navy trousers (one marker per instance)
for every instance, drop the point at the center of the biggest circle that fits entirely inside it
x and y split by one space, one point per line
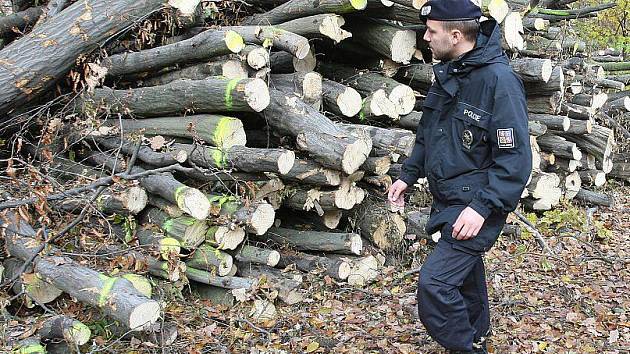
453 297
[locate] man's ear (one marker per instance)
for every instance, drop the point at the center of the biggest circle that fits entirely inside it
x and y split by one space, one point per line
456 36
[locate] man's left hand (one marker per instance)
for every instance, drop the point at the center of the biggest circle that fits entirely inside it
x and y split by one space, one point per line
467 224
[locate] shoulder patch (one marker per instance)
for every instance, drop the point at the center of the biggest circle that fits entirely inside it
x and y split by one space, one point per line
505 138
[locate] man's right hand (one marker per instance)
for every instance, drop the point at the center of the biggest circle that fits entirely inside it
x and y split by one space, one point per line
396 193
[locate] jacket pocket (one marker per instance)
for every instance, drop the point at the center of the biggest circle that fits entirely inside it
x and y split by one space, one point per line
471 128
461 189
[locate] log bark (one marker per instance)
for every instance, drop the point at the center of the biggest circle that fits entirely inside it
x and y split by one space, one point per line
417 76
190 232
321 201
216 130
384 228
66 328
317 26
559 146
292 43
304 240
307 263
210 259
289 288
595 198
129 201
410 121
553 84
394 140
156 158
533 69
183 96
19 20
257 255
326 143
207 44
285 63
593 177
301 8
228 68
116 296
311 220
377 165
600 143
307 86
226 282
35 62
241 158
545 104
307 172
167 247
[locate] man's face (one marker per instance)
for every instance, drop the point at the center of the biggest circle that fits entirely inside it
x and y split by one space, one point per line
439 40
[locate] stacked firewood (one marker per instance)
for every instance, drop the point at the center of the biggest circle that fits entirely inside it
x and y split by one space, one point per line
247 149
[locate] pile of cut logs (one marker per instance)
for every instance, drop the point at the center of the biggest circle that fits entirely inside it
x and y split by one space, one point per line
238 151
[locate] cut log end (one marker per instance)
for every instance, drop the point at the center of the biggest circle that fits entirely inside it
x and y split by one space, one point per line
403 97
331 28
358 4
78 333
229 132
257 94
356 244
169 247
233 69
137 199
286 162
380 105
546 70
258 58
344 270
273 258
144 315
349 102
262 218
355 155
234 41
306 64
403 46
331 218
228 239
193 202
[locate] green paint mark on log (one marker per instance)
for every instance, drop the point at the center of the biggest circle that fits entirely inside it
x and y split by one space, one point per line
234 41
30 349
223 128
179 196
169 245
219 158
167 225
108 284
228 93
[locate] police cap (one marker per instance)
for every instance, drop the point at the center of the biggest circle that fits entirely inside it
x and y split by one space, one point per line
450 10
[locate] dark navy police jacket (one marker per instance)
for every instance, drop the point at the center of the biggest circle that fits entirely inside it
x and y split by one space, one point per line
473 141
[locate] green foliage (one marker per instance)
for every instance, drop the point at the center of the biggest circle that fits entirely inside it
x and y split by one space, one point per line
611 28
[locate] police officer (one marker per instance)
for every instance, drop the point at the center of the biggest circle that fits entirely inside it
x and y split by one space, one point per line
473 147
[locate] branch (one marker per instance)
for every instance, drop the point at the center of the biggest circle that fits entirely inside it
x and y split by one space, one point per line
537 235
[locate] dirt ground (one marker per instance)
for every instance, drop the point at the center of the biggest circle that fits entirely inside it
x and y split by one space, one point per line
575 301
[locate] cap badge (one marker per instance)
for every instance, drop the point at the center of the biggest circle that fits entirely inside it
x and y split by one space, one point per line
425 10
467 139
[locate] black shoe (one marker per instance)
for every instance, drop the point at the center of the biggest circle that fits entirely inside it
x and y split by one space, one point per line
479 347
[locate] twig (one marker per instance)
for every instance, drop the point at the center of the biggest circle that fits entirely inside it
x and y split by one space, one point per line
262 330
104 181
537 235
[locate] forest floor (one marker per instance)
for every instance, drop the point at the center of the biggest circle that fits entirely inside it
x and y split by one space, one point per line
576 301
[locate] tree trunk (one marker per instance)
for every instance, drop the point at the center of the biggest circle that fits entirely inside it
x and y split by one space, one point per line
377 165
304 240
307 172
342 198
326 143
252 254
366 83
167 247
285 63
307 86
384 228
302 8
116 296
554 84
35 62
288 287
190 232
418 76
594 198
225 237
19 20
253 160
37 290
66 328
207 44
183 96
394 140
593 177
533 69
210 259
559 146
169 157
292 43
308 263
228 68
204 277
390 41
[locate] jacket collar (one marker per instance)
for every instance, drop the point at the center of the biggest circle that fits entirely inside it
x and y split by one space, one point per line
487 50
